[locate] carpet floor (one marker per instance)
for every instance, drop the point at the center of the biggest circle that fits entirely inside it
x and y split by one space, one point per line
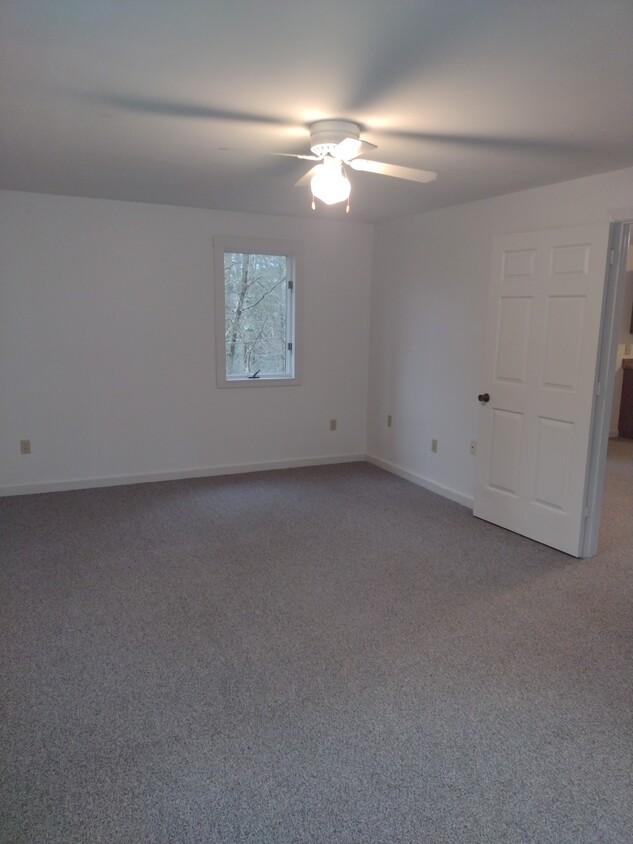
328 655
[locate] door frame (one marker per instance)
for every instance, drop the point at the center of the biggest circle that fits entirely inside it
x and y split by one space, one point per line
608 346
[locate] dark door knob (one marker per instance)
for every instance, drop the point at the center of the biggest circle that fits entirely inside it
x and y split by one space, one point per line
484 398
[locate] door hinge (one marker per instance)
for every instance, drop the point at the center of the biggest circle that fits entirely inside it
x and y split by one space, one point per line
291 284
586 514
598 388
289 347
612 256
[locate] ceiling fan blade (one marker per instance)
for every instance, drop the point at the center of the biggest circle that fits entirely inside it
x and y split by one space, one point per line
351 147
395 170
295 155
265 152
305 180
175 108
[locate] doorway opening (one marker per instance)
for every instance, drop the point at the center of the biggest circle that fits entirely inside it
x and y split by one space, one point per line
609 457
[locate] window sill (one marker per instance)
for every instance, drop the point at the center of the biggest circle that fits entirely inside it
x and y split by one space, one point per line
262 381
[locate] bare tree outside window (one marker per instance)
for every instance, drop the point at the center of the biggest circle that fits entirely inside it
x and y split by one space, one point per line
257 311
256 314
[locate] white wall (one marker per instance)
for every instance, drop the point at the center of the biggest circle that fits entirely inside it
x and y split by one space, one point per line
431 276
107 354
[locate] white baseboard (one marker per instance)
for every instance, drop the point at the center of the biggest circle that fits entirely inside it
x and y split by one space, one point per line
614 434
206 472
452 494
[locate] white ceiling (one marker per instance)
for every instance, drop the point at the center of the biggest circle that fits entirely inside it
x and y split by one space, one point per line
131 99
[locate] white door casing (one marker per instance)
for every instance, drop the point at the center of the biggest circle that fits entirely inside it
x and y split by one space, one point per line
544 318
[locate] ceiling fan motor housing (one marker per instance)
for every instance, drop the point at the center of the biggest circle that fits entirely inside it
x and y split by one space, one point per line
326 135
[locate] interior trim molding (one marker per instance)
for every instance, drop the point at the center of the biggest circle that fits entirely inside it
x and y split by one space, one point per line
236 469
445 491
151 477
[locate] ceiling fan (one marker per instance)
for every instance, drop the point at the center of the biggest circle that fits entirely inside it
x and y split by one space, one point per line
336 144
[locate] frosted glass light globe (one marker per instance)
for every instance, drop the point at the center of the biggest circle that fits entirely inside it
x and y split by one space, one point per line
329 183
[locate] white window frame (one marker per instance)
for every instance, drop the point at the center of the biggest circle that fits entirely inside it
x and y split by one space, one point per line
293 251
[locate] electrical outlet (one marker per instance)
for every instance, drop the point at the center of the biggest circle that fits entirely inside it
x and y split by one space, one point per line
434 446
332 424
389 420
25 446
473 446
627 350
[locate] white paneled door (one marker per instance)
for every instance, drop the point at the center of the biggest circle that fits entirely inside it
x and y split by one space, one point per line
544 317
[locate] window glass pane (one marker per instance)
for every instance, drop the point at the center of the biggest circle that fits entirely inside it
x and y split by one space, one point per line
256 314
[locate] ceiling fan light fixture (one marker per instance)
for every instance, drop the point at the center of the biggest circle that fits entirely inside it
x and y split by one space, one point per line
329 183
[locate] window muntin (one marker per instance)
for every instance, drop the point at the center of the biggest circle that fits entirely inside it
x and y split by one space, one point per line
255 301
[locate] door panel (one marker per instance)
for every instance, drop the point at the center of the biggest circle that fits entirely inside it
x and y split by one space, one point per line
564 333
554 446
544 319
506 447
512 346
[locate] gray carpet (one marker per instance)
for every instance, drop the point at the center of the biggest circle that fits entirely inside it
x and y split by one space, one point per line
320 655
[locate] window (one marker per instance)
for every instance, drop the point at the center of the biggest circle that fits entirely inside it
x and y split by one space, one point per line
256 289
